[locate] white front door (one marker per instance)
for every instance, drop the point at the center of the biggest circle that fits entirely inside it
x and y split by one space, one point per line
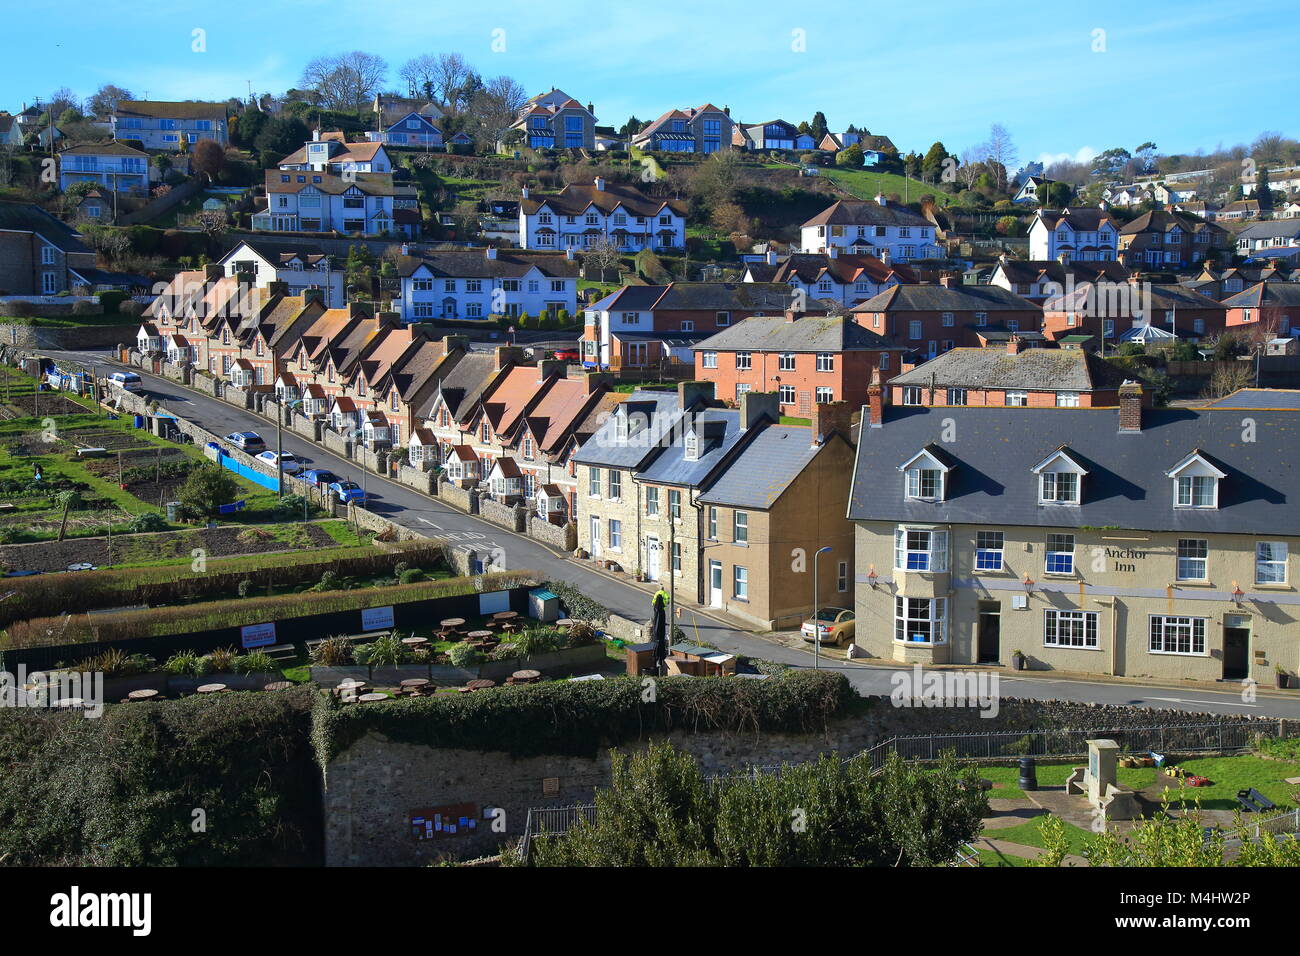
715 584
595 536
652 558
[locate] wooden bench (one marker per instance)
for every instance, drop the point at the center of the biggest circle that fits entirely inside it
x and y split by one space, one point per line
281 652
1254 802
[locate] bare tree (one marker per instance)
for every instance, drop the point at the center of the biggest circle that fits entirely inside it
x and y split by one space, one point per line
104 102
493 109
971 166
212 222
450 75
1001 153
345 81
603 255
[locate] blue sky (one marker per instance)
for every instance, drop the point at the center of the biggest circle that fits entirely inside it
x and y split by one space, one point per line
1184 74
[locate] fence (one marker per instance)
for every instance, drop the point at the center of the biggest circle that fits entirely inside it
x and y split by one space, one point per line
1278 825
542 820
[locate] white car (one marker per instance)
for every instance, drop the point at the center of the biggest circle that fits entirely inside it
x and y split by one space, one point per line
288 464
127 381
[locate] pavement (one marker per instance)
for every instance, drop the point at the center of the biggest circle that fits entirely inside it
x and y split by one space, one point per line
407 507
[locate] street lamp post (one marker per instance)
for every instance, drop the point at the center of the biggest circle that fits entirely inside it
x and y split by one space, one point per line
817 627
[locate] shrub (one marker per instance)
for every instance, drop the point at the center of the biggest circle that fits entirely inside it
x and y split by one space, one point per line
245 587
289 508
256 662
148 522
222 659
131 309
186 664
577 604
83 307
462 655
410 576
332 652
329 581
386 651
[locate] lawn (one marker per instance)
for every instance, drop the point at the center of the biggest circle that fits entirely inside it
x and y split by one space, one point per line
1030 833
866 185
1227 775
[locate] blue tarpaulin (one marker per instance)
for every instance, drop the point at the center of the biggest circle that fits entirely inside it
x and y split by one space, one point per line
252 474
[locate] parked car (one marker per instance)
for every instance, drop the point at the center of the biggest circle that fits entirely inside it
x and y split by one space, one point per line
567 355
250 442
833 625
320 477
346 491
288 464
127 381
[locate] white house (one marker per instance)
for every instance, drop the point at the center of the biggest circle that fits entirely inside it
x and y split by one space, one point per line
1028 191
300 267
306 201
115 166
890 233
331 153
166 125
1086 233
477 283
843 277
581 215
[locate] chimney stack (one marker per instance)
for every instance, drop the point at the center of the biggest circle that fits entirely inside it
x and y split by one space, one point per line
507 355
315 135
600 184
875 401
524 192
881 200
490 252
885 255
598 382
568 253
548 367
1130 408
452 343
945 280
829 418
832 252
754 405
726 110
212 272
314 294
277 288
688 393
1014 345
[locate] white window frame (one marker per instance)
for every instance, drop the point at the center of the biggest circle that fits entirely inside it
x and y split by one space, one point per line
934 617
909 555
1192 555
1083 630
985 551
1178 635
1271 557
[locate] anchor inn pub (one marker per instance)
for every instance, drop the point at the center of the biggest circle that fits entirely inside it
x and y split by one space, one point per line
1128 541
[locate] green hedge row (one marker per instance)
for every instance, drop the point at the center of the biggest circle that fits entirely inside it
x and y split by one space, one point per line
583 718
49 595
122 790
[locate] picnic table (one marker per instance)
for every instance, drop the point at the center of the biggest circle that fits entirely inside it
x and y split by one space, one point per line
212 688
70 702
415 641
525 677
481 635
480 684
146 693
371 698
451 624
278 685
415 683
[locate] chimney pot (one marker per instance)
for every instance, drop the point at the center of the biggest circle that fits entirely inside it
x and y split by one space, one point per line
881 200
1130 408
1014 345
490 252
771 256
600 184
832 252
875 403
524 192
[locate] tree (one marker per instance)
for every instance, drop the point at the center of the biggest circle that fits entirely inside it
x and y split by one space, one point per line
60 100
932 165
630 128
492 109
849 157
1001 154
212 222
345 81
207 488
602 255
1263 192
818 127
280 137
971 166
246 127
104 102
1053 195
730 218
1146 156
208 157
717 179
1111 163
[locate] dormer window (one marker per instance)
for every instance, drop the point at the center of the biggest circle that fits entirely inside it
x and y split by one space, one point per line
1060 479
1196 482
691 445
925 476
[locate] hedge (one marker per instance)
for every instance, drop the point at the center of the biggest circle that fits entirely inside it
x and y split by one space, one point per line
215 615
121 790
55 594
583 718
578 605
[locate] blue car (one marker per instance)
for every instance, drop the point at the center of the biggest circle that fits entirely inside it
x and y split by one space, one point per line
346 491
320 477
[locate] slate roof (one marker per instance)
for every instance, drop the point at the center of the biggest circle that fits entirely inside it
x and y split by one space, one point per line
1264 294
760 474
279 252
474 264
111 148
604 448
160 109
1083 219
937 298
1126 485
698 296
372 184
808 333
843 268
670 466
846 212
1028 271
1049 370
462 386
1162 297
1162 221
1287 228
1288 398
24 217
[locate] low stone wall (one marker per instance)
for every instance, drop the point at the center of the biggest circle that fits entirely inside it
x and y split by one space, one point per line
336 442
625 629
237 396
459 497
506 516
422 481
309 428
561 537
207 384
373 786
177 373
378 524
372 459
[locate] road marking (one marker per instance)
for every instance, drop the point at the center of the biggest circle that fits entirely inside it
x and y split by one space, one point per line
428 522
1181 700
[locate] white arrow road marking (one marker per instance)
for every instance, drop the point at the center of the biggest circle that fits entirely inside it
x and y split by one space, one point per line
428 522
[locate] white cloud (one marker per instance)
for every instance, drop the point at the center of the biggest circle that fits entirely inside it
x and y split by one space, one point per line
1084 155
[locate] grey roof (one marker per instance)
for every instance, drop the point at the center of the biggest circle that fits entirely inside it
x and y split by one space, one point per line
937 298
698 296
1259 398
1289 228
810 333
760 474
474 263
1126 485
670 466
1263 294
1071 370
465 382
604 448
846 212
24 217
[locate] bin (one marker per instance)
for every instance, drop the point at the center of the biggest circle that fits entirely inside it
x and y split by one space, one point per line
1028 773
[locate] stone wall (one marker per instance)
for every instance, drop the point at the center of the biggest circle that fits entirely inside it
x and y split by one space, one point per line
458 497
177 373
309 428
422 481
237 396
82 337
372 788
336 442
561 537
507 516
372 459
373 522
207 384
625 629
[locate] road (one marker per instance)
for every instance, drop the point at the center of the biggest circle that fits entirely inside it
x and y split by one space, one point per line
410 509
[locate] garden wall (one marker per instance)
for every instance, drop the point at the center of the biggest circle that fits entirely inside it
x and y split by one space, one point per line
336 443
207 384
458 497
507 516
177 373
422 481
374 786
237 396
561 537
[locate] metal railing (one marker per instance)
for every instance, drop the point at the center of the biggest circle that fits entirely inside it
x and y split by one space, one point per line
967 855
552 820
1280 824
